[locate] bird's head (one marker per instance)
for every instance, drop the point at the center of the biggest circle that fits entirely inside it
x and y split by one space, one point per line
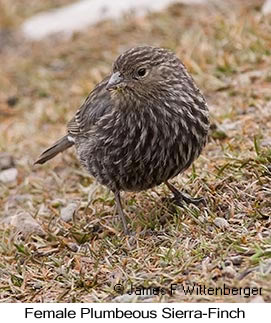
144 71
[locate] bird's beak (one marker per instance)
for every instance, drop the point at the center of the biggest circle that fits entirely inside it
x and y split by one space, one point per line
114 81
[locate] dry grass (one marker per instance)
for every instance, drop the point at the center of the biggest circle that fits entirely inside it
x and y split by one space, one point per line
228 52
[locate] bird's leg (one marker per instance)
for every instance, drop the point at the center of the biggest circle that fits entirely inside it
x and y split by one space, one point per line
121 213
180 197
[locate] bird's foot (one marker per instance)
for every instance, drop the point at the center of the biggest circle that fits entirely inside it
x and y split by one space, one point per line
181 197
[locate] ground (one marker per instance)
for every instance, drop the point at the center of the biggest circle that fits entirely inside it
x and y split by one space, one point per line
47 257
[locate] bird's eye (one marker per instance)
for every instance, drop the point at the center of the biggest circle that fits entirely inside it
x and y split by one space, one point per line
141 72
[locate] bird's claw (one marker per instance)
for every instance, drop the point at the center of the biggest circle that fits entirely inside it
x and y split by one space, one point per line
178 199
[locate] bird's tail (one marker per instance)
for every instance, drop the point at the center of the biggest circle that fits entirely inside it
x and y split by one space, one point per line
59 146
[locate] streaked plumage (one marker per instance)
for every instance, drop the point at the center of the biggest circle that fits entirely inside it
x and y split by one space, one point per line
141 126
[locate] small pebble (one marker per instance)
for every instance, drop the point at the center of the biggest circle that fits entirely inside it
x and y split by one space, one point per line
229 272
236 260
37 285
67 212
221 223
26 224
73 246
8 175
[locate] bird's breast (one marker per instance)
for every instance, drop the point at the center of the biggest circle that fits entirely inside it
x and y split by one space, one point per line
136 151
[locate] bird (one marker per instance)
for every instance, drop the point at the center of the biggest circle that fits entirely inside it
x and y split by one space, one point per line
142 125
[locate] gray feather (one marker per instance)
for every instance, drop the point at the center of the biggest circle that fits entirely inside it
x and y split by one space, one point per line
59 146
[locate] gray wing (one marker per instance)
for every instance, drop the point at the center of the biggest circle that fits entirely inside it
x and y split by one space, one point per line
97 104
